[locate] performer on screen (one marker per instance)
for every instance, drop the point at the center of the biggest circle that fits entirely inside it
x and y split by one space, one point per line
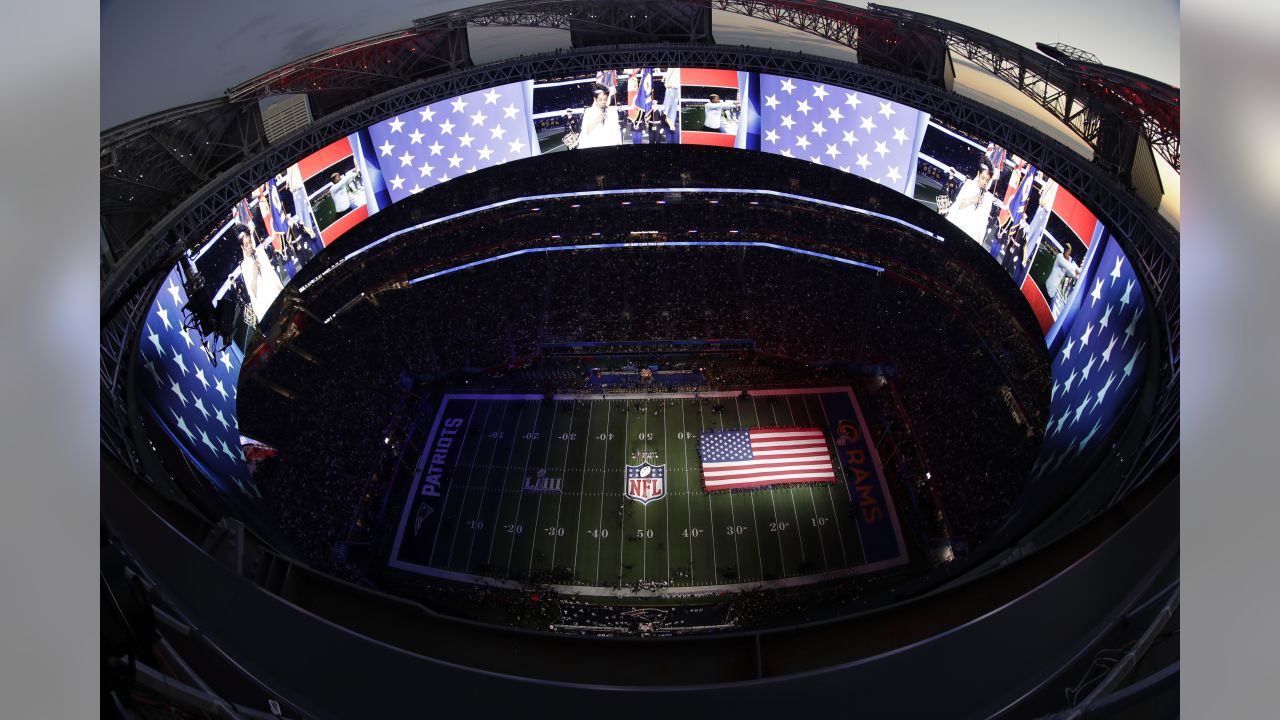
260 278
972 207
338 191
600 124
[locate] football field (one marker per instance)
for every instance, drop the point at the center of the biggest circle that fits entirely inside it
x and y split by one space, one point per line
512 488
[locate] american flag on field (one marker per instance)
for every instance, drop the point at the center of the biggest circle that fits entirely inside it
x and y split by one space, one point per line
1100 365
757 457
445 139
852 131
192 396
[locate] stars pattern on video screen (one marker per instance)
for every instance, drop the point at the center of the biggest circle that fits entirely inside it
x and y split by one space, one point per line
853 131
436 142
190 394
1100 366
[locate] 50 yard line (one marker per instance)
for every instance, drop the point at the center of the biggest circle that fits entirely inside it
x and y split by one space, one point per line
622 509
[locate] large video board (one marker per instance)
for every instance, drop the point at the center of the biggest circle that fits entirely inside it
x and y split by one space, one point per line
1069 268
286 221
428 145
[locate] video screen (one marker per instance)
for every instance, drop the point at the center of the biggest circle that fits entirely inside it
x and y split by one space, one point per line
431 144
716 108
850 130
1038 232
256 251
994 197
1055 264
286 221
343 185
631 106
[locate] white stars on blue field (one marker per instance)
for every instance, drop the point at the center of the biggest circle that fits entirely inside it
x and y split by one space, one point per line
1099 368
187 391
430 145
877 144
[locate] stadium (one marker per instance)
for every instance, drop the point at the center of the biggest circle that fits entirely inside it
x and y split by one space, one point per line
647 361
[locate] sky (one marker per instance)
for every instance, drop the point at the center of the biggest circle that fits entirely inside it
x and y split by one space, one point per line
157 55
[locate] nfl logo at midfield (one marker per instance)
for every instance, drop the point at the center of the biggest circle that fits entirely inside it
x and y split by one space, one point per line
646 482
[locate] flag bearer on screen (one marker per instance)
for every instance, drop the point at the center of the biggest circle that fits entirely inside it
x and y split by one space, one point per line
1058 290
714 109
600 124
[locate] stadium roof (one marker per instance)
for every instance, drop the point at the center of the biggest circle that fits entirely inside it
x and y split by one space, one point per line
194 52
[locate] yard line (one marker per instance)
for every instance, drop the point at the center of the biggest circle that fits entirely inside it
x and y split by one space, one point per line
555 539
600 520
773 409
533 546
782 555
732 516
835 513
622 516
506 471
821 543
506 405
466 490
667 489
520 498
585 446
688 496
737 407
444 507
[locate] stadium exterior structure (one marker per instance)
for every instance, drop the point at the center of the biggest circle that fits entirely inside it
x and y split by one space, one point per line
1095 567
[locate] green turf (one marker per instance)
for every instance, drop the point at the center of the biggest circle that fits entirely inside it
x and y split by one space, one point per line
593 535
